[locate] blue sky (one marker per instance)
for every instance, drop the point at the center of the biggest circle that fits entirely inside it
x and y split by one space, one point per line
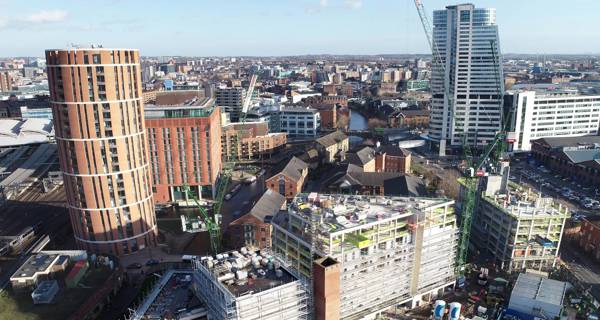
281 27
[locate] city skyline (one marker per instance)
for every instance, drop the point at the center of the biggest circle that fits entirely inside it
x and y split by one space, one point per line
281 28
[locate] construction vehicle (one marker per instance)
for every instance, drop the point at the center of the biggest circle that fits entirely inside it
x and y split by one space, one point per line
205 222
494 151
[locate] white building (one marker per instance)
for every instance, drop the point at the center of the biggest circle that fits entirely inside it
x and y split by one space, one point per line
546 113
467 41
538 296
249 285
389 250
299 121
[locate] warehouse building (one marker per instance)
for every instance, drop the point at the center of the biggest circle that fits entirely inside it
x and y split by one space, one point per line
575 157
363 254
537 296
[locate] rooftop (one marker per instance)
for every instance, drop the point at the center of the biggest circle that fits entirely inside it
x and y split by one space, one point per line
298 110
575 142
521 202
332 138
38 263
268 205
361 157
539 288
394 183
178 111
246 272
294 168
22 132
560 90
338 211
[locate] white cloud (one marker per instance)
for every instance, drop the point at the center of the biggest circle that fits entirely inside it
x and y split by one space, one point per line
354 4
45 16
323 3
34 19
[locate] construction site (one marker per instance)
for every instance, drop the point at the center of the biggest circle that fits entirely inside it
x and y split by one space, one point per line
386 250
249 284
519 228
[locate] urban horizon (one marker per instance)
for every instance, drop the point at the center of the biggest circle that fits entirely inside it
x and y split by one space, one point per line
459 183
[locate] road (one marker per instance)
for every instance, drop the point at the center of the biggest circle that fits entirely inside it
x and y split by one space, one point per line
580 264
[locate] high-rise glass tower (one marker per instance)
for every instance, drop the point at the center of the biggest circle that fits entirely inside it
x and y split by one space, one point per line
467 85
99 125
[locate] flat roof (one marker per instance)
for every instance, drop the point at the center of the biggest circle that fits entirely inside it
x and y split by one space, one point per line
22 132
539 288
522 202
38 263
92 49
246 272
341 212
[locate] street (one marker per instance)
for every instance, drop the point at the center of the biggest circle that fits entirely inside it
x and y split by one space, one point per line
582 266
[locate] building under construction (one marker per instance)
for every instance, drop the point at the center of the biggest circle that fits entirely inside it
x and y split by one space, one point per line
519 228
249 285
363 254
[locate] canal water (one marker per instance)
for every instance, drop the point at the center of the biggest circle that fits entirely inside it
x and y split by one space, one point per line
357 122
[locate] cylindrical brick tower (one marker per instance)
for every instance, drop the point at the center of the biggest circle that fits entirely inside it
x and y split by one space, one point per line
99 125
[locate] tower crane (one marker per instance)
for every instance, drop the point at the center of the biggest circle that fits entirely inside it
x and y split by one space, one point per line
474 171
208 223
437 62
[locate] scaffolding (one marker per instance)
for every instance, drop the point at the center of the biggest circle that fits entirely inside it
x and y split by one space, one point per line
519 229
390 248
235 287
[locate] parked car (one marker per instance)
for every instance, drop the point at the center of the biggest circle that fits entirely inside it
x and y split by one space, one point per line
152 262
135 265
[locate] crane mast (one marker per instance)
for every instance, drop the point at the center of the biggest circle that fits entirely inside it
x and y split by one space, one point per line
437 62
212 224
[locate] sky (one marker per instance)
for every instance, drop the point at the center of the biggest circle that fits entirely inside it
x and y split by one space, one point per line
281 27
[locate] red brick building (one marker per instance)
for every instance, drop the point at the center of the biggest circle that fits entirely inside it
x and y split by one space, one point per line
254 229
328 116
185 149
289 181
574 157
98 112
326 284
315 101
589 236
250 140
340 89
390 158
409 119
